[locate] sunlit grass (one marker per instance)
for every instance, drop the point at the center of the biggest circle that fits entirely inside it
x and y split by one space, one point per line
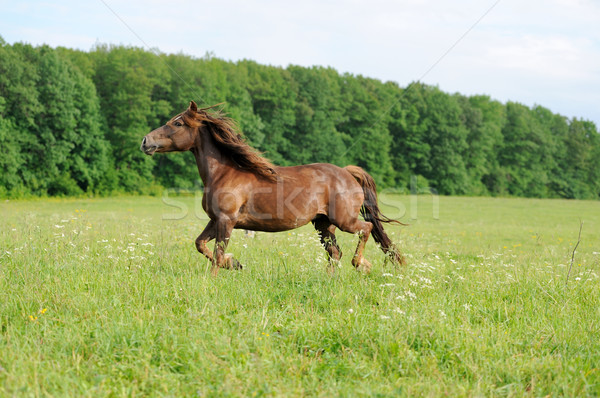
109 297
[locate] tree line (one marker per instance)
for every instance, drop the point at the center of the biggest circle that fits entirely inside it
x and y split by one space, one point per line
71 123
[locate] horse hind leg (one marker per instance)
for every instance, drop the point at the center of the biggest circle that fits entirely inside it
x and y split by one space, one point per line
326 231
363 230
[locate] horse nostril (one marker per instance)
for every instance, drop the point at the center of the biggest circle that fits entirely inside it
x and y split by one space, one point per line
144 141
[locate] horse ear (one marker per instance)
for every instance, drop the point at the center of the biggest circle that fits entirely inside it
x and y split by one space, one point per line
193 106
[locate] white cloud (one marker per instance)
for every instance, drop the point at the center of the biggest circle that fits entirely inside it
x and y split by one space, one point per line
555 57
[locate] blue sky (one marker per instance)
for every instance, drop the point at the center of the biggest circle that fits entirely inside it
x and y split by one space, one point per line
533 52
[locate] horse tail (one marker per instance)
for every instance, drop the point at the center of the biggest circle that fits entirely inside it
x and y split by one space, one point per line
371 213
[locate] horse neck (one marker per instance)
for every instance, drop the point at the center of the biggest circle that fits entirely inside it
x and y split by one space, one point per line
209 159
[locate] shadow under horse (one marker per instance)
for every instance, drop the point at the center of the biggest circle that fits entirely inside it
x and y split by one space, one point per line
244 190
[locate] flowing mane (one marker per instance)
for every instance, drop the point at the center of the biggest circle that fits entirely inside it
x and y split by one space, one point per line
229 140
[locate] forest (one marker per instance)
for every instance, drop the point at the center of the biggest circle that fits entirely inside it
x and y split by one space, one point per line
71 123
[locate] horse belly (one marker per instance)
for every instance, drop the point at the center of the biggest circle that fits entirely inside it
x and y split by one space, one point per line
290 208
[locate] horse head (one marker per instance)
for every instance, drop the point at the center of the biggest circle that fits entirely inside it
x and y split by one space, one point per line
179 134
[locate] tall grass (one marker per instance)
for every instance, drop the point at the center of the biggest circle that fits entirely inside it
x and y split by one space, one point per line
108 297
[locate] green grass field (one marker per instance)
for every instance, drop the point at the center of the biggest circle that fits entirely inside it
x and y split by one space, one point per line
108 297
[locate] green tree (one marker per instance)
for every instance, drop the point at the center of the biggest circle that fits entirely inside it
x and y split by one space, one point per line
526 154
433 138
484 120
364 127
273 93
318 108
580 163
132 84
18 106
53 134
71 123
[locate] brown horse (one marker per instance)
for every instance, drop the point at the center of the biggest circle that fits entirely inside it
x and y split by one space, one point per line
244 190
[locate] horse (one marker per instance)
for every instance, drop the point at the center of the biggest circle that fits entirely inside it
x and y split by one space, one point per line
244 190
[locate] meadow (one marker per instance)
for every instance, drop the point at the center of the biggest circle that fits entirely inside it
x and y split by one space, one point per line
108 297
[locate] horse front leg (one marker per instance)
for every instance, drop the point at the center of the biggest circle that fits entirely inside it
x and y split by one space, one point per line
223 228
206 236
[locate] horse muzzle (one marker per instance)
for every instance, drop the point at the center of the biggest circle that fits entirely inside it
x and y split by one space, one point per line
148 148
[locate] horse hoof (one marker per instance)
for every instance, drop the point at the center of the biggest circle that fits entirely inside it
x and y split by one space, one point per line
235 264
232 263
364 268
402 261
362 265
333 266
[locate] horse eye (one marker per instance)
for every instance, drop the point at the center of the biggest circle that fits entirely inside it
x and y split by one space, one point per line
178 124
